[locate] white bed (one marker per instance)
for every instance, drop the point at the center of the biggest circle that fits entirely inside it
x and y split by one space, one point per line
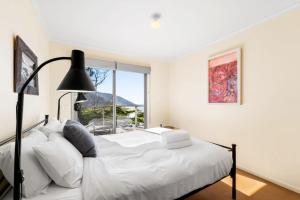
136 166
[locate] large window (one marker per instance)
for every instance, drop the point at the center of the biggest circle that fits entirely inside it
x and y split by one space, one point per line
120 103
130 100
97 111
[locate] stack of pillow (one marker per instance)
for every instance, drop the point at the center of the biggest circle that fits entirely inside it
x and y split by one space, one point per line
175 139
51 153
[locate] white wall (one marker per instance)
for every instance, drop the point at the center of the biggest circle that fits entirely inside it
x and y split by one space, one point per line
17 17
158 82
159 94
266 127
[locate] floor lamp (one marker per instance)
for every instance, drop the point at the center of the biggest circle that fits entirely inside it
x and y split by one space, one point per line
80 99
76 80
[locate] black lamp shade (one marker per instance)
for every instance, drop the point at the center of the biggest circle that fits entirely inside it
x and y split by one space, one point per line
80 98
77 80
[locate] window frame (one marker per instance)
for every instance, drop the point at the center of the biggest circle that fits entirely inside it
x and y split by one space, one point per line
116 66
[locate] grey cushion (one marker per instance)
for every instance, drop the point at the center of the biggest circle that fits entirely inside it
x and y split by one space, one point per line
80 137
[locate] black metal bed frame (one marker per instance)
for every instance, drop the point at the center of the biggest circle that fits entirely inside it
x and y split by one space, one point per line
232 173
45 121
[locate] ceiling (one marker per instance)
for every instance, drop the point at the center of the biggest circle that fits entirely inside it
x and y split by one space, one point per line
123 26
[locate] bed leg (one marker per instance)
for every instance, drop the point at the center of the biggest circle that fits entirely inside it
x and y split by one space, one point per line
46 119
233 171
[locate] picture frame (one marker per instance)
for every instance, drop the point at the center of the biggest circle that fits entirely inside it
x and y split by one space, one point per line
25 62
224 77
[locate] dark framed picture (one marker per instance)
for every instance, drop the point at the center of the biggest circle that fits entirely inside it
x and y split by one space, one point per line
25 62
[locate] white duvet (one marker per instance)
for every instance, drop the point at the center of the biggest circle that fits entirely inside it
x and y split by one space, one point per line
136 166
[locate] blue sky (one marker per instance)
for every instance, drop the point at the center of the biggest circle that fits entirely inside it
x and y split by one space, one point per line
129 85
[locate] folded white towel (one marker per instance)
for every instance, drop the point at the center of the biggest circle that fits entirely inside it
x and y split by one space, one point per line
158 130
180 144
174 136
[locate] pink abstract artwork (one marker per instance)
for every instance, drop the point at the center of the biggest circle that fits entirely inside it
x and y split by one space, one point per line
224 78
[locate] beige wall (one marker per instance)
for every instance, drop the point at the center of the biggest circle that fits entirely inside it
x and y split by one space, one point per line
266 127
17 17
158 93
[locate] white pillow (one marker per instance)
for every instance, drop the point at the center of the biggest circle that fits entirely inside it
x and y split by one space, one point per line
36 180
61 160
53 126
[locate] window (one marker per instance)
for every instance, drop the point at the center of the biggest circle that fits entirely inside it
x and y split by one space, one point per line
120 103
129 100
98 109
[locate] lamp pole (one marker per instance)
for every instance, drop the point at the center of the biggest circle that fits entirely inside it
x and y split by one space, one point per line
75 80
18 173
80 99
58 103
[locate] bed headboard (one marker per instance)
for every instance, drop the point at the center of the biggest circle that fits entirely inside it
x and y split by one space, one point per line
4 185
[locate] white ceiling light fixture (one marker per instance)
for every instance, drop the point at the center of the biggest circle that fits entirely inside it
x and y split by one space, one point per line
155 21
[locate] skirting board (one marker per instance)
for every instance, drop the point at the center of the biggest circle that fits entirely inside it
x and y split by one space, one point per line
277 182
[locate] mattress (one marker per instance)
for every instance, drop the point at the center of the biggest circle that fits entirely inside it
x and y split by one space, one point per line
54 192
137 166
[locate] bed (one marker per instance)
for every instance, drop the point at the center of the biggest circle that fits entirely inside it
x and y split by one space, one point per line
135 165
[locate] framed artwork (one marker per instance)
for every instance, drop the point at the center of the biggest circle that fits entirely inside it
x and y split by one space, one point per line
25 62
224 77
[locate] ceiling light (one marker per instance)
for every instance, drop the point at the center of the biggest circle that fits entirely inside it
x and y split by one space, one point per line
155 21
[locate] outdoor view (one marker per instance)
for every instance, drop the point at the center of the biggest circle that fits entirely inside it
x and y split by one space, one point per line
97 112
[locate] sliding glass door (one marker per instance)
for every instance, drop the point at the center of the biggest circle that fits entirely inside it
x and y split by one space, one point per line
130 101
97 111
120 103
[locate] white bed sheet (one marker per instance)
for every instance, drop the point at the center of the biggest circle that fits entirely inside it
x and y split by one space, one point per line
54 192
136 166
